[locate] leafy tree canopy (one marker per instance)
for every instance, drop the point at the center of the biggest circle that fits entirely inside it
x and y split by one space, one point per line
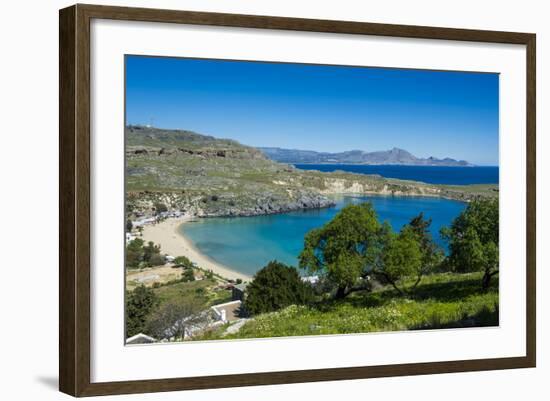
135 244
176 319
432 254
473 239
355 245
160 208
188 275
140 255
183 261
139 303
402 258
345 248
274 287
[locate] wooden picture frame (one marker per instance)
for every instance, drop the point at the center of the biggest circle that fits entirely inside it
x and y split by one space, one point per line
74 200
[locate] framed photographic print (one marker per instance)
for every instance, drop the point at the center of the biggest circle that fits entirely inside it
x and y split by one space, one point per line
250 200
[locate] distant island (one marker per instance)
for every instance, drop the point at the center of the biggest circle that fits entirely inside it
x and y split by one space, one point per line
393 156
212 177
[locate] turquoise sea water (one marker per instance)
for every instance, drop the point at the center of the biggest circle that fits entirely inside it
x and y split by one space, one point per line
246 244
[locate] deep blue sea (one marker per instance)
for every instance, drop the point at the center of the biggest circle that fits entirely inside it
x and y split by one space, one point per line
246 244
427 174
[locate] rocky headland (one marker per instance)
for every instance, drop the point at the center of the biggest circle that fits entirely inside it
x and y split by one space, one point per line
204 176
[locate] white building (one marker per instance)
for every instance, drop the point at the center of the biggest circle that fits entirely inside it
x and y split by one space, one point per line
140 339
311 279
142 222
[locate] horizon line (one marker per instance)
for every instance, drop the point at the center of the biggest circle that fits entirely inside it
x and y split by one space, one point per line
317 151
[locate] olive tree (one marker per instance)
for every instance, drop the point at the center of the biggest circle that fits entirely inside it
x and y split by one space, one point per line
345 249
473 239
401 259
175 320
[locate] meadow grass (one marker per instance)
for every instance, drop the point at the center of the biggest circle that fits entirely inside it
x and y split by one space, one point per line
443 300
202 290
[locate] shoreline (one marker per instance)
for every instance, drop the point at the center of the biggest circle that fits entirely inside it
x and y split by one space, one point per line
378 165
390 195
174 243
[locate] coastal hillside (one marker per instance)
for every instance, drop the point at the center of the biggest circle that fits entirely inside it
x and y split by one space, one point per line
393 156
442 301
207 176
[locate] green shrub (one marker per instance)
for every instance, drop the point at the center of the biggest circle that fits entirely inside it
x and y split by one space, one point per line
139 303
160 208
188 275
140 255
183 261
156 259
274 287
134 253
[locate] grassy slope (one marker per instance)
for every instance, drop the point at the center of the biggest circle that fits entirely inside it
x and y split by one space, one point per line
202 290
441 301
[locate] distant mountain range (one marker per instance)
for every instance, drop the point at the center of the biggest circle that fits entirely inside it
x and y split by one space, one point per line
208 176
394 156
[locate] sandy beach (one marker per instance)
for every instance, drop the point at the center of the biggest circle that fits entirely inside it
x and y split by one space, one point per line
174 243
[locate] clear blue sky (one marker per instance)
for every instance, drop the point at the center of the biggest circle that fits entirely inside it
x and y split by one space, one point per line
323 108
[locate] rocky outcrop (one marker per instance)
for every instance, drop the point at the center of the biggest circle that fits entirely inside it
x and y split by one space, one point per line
351 186
206 176
145 203
245 153
266 206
